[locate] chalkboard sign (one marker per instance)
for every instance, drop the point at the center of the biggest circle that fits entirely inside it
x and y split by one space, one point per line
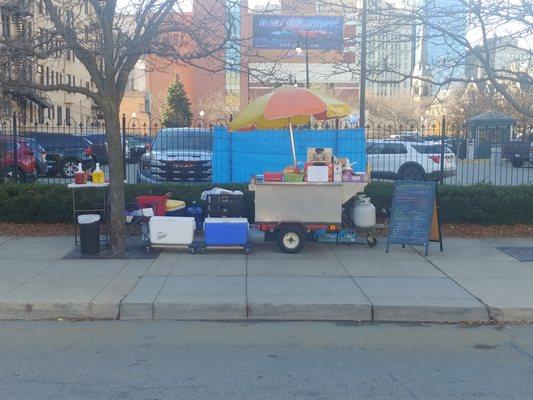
412 213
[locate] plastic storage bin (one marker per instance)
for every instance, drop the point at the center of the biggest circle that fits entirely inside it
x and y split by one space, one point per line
273 176
171 230
159 203
225 205
226 231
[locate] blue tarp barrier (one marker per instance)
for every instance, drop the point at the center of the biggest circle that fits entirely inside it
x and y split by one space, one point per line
239 155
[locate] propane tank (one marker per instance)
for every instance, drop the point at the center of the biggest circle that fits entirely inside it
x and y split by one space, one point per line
359 198
364 213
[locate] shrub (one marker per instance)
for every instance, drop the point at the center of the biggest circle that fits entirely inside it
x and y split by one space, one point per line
479 204
50 203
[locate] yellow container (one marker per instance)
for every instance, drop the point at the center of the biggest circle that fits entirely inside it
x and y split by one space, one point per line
173 205
98 175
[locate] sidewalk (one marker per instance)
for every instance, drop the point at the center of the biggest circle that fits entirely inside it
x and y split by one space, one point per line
470 281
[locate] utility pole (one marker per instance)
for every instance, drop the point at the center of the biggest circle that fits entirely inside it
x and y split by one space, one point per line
306 62
299 51
362 83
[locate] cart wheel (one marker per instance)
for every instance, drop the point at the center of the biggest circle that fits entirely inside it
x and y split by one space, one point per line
201 249
371 241
192 250
291 240
247 251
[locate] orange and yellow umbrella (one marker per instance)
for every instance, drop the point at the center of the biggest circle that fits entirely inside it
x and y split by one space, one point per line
288 106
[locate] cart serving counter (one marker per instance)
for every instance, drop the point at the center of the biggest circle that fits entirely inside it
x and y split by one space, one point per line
291 210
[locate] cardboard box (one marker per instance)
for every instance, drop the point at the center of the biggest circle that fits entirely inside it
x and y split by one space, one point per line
319 173
319 154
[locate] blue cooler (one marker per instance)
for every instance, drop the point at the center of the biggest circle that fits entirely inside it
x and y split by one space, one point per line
226 231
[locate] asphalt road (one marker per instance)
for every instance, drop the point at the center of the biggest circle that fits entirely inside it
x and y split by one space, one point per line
201 360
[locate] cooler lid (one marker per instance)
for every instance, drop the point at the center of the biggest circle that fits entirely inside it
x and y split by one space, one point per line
173 205
173 219
226 220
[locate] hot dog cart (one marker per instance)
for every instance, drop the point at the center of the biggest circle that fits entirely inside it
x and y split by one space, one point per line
290 211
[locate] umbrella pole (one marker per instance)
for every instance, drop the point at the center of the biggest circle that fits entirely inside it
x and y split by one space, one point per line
292 143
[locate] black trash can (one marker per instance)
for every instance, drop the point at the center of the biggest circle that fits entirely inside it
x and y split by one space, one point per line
89 233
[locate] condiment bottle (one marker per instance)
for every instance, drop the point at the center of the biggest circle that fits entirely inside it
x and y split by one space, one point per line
79 176
98 175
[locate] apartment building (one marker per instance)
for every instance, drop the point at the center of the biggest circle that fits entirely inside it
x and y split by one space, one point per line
504 54
25 20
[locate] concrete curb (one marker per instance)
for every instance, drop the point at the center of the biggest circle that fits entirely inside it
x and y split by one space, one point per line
260 312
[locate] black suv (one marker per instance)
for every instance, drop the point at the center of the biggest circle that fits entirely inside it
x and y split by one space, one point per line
64 152
100 150
99 146
137 145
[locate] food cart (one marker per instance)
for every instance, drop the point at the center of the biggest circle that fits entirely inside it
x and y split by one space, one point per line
291 205
289 211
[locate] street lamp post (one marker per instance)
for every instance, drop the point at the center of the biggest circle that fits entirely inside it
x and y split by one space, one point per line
299 51
362 84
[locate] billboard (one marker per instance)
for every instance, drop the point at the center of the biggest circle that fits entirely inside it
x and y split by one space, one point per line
288 32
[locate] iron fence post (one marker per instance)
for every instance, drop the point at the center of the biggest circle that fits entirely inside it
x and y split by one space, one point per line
15 159
124 145
230 156
442 148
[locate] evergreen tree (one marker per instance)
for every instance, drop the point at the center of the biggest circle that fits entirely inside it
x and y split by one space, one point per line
178 107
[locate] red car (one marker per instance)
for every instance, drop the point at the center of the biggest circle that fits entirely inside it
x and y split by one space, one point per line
314 35
25 170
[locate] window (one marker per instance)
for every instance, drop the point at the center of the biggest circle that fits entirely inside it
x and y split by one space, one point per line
47 75
73 80
40 115
40 74
69 80
430 149
67 116
395 148
386 148
374 148
52 80
59 115
6 31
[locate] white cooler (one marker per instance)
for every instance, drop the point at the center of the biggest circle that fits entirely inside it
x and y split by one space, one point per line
172 230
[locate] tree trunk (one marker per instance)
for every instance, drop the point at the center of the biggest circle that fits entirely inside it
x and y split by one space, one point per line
117 229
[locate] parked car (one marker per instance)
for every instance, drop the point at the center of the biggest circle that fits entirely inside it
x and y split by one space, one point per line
137 145
64 152
41 165
518 152
409 160
100 148
178 155
24 171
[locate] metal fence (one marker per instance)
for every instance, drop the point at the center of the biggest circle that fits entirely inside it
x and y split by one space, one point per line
458 154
